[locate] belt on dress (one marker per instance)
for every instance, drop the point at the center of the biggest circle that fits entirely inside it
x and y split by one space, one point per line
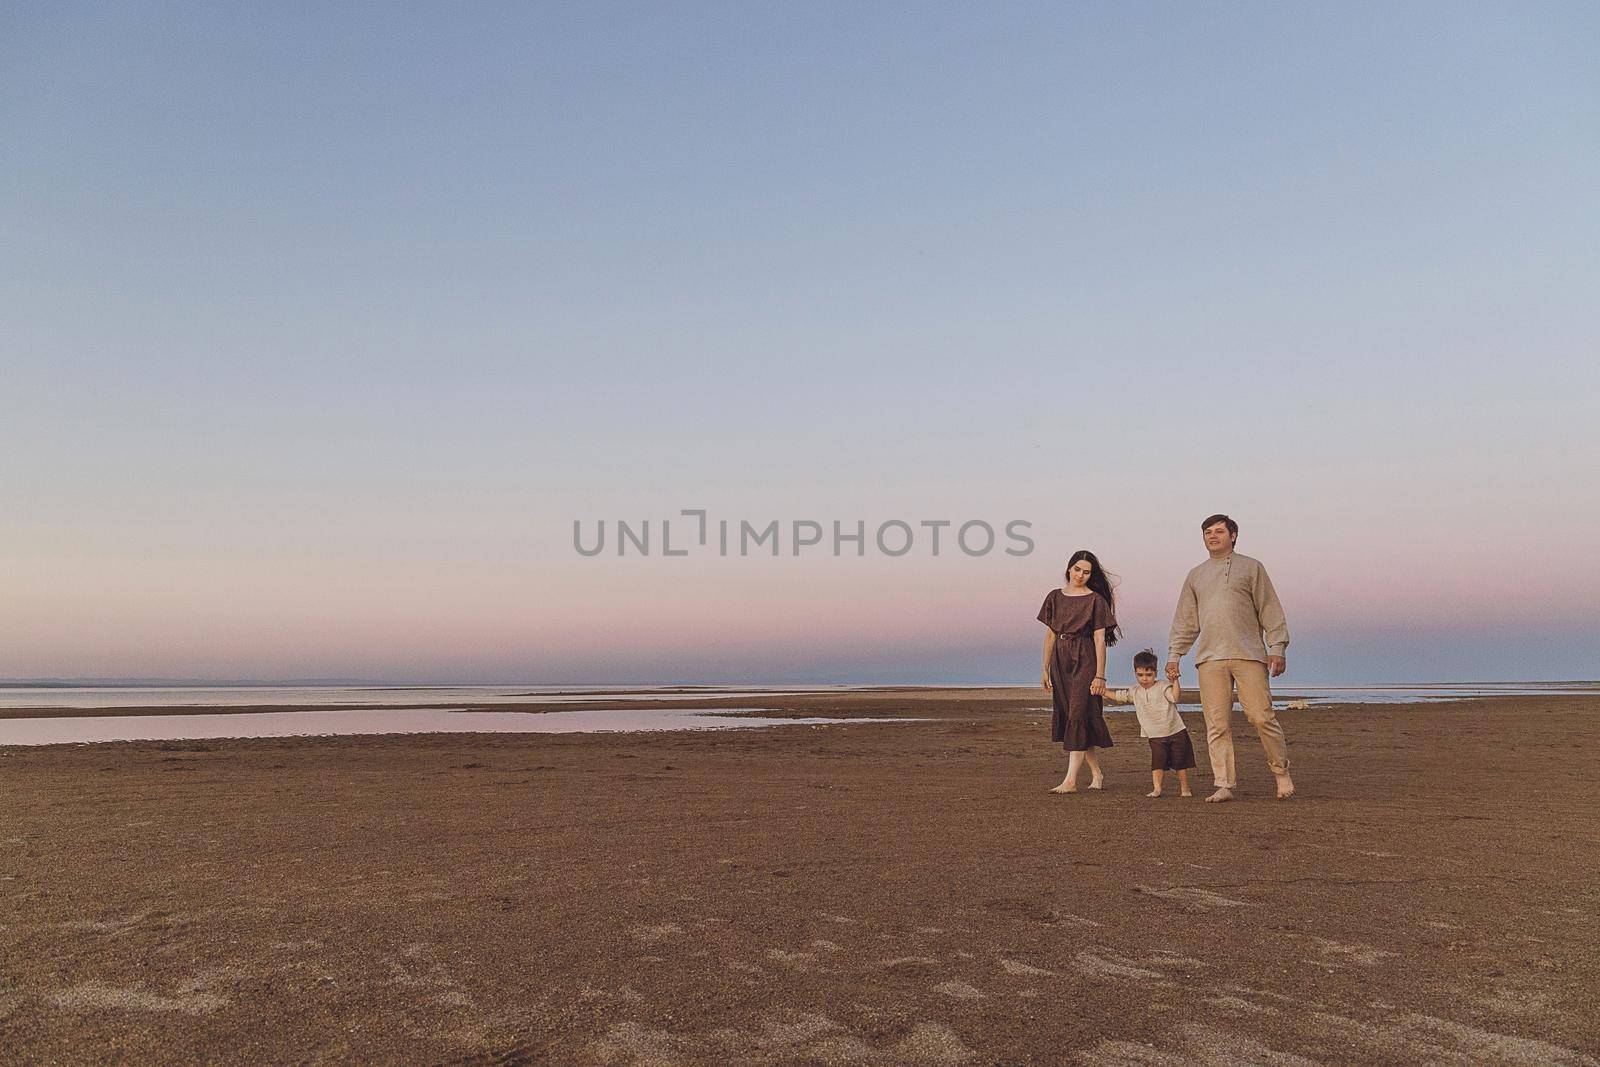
1074 645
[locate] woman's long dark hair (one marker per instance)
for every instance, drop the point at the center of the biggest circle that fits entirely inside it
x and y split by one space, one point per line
1100 582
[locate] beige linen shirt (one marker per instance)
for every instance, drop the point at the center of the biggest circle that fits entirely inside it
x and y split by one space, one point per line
1158 716
1227 603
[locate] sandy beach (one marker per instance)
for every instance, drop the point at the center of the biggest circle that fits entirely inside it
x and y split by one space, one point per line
893 893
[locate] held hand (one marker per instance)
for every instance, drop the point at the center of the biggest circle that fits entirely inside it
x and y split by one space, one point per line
1172 670
1276 665
1097 688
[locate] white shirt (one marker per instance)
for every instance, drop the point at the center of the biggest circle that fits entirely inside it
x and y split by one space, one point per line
1158 716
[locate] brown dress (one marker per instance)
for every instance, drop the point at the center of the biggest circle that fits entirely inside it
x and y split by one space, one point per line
1078 721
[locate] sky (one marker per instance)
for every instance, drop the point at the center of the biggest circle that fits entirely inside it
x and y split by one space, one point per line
321 327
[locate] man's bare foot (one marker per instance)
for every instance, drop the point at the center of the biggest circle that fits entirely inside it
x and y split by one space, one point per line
1285 786
1221 796
1153 793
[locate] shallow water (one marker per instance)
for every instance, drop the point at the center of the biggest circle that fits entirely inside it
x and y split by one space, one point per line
367 696
99 728
370 710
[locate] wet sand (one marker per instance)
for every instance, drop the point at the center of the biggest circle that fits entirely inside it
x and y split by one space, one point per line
902 893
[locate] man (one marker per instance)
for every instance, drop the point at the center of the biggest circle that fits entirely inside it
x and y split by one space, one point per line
1227 602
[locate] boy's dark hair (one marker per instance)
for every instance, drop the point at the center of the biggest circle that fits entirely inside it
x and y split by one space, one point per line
1146 660
1233 527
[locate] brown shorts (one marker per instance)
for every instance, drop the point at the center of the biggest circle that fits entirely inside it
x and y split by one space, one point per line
1173 753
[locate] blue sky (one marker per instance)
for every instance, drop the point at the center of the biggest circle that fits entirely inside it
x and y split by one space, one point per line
321 326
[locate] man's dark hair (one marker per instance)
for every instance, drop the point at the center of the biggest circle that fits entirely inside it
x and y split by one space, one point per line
1233 527
1145 661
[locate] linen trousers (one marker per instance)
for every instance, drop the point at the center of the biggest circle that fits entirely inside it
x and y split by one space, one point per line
1218 679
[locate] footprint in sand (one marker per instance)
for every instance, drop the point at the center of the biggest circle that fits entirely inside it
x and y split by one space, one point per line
800 1038
909 964
650 935
1024 970
1363 955
1066 918
94 995
959 990
417 967
1163 958
1240 1004
106 926
1531 1003
428 898
795 959
1109 966
1194 896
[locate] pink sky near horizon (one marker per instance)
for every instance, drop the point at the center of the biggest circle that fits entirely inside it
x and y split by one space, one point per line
397 614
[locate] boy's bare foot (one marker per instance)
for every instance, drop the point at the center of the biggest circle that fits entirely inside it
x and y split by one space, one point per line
1285 786
1221 796
1153 793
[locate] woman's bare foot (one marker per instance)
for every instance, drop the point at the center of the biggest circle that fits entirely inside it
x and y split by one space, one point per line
1153 793
1221 796
1285 786
1066 787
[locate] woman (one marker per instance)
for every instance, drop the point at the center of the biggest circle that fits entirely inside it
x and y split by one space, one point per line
1082 624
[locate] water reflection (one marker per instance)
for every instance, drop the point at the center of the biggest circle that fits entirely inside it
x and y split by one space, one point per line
369 696
86 729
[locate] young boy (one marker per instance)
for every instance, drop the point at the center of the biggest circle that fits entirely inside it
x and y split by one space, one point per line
1157 709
